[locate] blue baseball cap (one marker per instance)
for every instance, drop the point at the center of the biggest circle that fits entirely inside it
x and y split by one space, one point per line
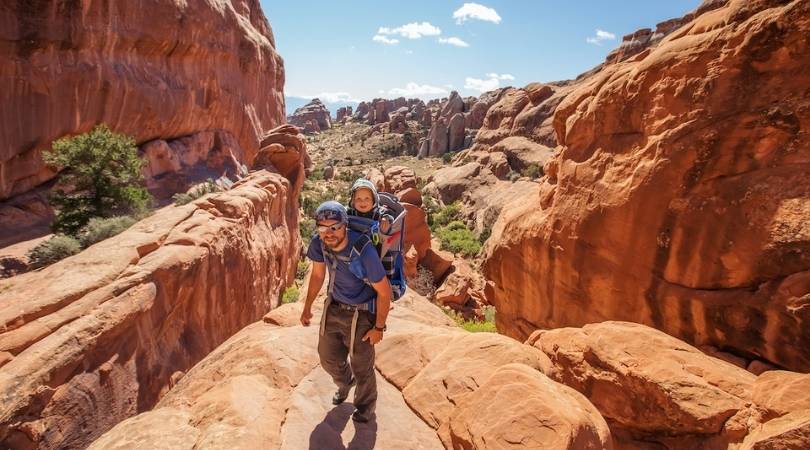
331 210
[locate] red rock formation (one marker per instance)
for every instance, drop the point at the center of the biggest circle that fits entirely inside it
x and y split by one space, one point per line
97 337
312 117
679 196
343 113
155 69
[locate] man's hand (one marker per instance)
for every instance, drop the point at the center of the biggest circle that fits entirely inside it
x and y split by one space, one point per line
374 336
306 316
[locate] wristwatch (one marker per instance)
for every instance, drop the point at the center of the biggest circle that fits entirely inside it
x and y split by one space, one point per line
384 327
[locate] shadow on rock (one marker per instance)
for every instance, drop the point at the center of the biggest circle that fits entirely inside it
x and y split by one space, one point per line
327 434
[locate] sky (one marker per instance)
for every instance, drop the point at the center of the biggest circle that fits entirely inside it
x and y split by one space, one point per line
359 49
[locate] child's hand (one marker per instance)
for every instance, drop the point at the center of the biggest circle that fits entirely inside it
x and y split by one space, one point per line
385 225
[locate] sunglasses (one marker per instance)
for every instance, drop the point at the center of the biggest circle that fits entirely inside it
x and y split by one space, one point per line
333 228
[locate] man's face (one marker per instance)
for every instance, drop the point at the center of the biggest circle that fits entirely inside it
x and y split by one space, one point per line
331 232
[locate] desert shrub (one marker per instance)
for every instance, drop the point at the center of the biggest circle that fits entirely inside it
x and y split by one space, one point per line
290 295
532 171
209 186
56 248
423 283
457 238
444 215
100 228
485 234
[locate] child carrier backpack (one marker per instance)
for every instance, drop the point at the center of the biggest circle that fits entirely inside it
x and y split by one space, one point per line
389 246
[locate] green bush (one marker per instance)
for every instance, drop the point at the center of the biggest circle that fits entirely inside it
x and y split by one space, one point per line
474 326
99 229
301 270
444 215
306 228
485 234
316 174
457 238
290 295
209 186
447 157
312 199
513 176
52 250
100 176
532 171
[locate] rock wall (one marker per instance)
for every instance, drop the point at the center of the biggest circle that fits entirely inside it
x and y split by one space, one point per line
102 335
679 194
154 69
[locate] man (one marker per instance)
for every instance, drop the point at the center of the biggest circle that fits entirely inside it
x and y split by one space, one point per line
348 310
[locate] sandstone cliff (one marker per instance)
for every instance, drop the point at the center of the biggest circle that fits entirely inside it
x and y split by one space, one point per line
102 335
155 69
678 196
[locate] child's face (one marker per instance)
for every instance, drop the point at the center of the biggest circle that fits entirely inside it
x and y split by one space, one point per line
363 200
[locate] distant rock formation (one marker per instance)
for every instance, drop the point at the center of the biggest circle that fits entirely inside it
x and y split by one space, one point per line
343 113
312 117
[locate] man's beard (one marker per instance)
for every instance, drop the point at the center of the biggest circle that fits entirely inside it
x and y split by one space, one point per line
338 243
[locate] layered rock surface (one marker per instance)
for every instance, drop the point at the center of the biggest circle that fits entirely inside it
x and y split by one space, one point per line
102 335
153 70
272 367
678 196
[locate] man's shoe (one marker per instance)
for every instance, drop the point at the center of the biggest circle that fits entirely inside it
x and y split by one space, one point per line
358 416
343 393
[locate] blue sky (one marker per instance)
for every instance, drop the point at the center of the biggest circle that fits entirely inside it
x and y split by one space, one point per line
361 49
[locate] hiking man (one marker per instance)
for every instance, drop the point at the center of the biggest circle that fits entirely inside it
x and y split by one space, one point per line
357 304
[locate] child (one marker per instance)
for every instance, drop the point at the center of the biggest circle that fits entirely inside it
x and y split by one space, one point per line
364 202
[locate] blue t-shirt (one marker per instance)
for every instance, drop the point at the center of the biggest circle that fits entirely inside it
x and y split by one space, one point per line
348 288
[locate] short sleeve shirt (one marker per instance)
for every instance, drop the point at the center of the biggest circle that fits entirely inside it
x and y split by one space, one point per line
348 288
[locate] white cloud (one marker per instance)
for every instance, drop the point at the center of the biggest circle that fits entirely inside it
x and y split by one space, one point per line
504 76
471 11
411 30
453 41
601 35
492 81
409 52
331 97
417 90
384 40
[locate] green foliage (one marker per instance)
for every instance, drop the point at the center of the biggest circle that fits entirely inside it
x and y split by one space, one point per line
447 157
99 229
348 176
475 326
444 215
310 201
457 238
208 187
532 171
316 174
301 270
100 177
290 295
485 234
306 228
513 176
52 250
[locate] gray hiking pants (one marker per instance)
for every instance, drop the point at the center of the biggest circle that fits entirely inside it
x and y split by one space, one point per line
333 349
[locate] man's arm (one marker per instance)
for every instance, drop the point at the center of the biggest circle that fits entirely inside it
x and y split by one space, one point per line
383 288
315 283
